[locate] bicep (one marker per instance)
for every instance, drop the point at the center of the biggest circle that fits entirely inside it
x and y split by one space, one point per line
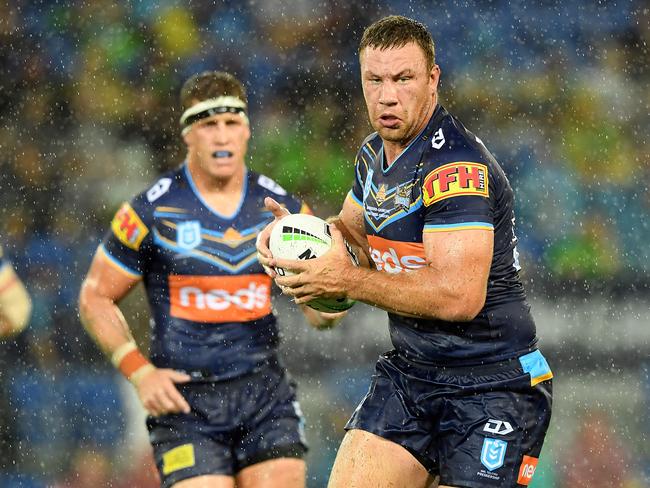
351 216
463 256
106 280
354 229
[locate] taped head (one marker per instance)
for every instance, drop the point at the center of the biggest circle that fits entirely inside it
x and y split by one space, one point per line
210 107
216 92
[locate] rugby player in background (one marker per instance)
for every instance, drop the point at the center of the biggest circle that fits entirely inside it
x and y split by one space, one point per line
15 304
464 399
222 409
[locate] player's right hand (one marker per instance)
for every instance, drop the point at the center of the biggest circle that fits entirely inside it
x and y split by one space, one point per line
158 393
262 243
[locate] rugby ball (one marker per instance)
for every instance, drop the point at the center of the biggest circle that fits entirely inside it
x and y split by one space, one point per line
303 236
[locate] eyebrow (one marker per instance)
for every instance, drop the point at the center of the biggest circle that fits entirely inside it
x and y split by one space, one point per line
405 71
224 116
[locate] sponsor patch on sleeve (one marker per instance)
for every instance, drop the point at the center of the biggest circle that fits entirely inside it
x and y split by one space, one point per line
178 458
527 470
455 179
128 227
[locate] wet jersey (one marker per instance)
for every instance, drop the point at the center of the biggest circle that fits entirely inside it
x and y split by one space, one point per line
445 180
209 296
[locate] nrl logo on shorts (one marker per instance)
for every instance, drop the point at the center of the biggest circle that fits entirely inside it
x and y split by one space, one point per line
493 453
188 234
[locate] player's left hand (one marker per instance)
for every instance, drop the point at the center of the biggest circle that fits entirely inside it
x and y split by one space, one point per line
262 242
329 276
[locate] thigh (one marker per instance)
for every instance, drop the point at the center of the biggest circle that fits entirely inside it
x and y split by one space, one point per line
391 411
275 473
493 437
180 456
197 444
365 460
210 481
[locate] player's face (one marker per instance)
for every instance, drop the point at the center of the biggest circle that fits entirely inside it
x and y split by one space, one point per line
218 144
400 91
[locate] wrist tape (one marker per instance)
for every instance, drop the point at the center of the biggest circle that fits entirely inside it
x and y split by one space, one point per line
131 362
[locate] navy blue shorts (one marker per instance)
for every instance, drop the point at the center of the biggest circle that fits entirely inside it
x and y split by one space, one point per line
474 427
232 425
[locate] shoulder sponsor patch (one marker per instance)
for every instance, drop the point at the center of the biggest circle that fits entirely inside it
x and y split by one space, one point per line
128 227
455 179
180 457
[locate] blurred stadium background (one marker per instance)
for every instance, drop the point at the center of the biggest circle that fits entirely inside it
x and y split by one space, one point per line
557 90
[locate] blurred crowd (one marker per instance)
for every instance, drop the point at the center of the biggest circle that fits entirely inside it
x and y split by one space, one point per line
89 111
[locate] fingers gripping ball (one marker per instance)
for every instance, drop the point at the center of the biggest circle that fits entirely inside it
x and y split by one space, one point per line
302 236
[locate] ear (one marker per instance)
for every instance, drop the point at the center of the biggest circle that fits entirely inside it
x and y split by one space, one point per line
186 137
434 78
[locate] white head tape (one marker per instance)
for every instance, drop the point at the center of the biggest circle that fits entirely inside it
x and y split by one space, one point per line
210 107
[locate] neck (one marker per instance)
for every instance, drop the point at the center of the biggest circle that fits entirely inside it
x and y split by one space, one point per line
392 149
208 185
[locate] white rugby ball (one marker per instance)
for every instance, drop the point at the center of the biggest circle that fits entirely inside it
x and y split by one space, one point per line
304 236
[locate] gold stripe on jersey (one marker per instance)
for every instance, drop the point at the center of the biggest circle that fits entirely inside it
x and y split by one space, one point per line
365 163
353 200
171 209
211 257
231 237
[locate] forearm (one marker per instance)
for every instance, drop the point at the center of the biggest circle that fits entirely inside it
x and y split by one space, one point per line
321 320
357 242
15 304
421 293
104 321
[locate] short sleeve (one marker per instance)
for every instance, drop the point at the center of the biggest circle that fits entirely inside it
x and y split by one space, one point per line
128 239
362 163
456 196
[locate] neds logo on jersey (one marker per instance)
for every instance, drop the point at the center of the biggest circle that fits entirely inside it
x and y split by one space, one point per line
394 256
455 179
218 299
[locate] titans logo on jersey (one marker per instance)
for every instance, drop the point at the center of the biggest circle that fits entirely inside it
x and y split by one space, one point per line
445 180
209 296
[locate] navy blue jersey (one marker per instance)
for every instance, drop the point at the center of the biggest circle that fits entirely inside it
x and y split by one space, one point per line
209 296
445 180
